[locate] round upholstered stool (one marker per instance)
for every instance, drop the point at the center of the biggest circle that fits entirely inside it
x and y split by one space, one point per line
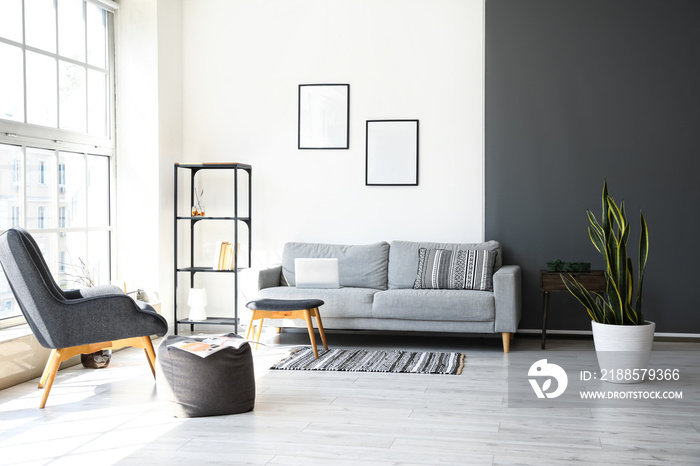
192 386
288 309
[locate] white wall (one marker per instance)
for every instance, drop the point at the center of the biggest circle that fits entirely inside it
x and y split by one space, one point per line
169 137
415 59
149 141
137 143
217 80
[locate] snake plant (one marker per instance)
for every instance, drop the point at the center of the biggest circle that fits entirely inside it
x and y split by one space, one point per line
609 237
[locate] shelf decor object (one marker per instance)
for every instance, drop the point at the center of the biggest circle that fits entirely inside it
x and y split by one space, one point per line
188 237
391 153
324 116
558 265
198 209
197 301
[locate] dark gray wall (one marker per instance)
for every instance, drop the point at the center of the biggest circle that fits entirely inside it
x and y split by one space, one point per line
578 91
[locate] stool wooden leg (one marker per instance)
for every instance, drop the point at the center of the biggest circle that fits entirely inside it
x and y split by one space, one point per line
320 328
250 326
307 316
257 338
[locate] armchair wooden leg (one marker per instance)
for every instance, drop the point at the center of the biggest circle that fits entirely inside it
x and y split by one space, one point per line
150 353
506 336
54 362
64 354
44 376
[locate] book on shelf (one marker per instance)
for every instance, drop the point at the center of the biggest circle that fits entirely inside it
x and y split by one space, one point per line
225 256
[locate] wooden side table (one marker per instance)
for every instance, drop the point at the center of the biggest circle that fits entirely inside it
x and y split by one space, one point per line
552 281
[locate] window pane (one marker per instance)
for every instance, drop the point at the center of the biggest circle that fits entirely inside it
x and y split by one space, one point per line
41 188
98 191
97 36
71 190
8 305
41 90
71 29
47 246
10 186
98 255
73 271
72 104
11 83
40 18
11 22
97 103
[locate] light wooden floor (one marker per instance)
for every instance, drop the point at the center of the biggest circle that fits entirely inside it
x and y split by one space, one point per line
112 416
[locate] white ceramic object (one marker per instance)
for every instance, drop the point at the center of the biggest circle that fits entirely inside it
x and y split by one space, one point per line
623 348
197 301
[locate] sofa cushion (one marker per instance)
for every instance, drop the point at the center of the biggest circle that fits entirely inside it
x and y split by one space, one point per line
360 266
455 270
403 258
339 302
436 305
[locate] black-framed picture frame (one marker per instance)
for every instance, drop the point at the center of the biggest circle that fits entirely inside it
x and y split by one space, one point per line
391 153
324 116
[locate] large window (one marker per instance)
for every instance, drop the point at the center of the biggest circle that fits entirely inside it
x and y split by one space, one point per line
70 220
56 65
56 135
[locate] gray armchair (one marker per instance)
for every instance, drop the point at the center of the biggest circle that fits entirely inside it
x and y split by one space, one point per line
76 321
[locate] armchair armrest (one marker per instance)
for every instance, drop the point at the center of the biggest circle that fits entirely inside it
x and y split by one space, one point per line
100 291
93 291
268 278
507 291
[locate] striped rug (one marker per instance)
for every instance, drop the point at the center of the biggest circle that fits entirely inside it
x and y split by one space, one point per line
357 360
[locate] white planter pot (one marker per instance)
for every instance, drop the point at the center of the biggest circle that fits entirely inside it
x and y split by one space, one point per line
621 349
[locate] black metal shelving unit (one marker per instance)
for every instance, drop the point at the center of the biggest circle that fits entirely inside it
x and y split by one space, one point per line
192 269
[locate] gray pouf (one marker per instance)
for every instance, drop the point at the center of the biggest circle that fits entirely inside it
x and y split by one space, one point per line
191 386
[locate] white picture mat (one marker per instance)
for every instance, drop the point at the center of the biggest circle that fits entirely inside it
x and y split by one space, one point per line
323 116
392 152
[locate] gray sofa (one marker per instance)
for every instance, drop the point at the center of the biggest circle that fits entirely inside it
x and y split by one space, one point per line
377 290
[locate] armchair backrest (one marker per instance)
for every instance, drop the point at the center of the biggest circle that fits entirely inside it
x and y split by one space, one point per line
30 280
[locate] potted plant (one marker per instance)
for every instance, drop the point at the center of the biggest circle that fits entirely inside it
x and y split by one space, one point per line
622 336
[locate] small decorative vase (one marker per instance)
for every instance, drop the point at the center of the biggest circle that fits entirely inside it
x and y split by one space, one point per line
197 302
97 360
623 348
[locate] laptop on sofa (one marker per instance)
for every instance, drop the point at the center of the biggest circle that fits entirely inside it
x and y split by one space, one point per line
316 273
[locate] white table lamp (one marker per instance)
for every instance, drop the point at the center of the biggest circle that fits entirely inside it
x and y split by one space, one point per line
197 301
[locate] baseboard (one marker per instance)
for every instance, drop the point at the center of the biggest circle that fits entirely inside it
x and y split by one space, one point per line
659 336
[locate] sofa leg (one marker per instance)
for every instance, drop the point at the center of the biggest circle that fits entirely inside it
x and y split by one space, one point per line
507 336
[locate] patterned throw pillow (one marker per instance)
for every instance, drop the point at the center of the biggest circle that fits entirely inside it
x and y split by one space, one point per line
455 270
